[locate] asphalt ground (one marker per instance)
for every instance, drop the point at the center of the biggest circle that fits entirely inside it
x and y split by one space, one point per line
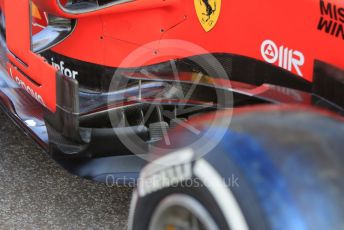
36 193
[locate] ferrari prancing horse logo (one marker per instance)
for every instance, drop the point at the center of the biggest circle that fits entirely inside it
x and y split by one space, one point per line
208 12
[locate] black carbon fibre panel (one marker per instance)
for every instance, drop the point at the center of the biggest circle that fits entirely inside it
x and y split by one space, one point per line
238 68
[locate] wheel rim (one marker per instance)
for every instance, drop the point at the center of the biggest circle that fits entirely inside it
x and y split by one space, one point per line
181 212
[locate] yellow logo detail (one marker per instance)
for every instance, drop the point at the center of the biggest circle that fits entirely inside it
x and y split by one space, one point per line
208 12
35 11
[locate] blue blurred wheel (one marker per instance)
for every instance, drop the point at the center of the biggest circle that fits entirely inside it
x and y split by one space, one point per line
276 168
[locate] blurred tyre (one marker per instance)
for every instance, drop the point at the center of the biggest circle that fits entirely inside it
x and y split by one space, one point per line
276 168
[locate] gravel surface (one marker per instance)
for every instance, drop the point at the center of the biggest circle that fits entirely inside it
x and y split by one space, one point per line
36 193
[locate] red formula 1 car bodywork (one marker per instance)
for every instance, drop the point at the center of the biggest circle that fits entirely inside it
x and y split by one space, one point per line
288 35
65 54
98 83
291 35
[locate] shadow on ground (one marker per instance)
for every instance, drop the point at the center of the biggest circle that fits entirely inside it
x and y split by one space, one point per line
36 193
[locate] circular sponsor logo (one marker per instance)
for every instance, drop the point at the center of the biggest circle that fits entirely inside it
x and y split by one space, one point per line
269 51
